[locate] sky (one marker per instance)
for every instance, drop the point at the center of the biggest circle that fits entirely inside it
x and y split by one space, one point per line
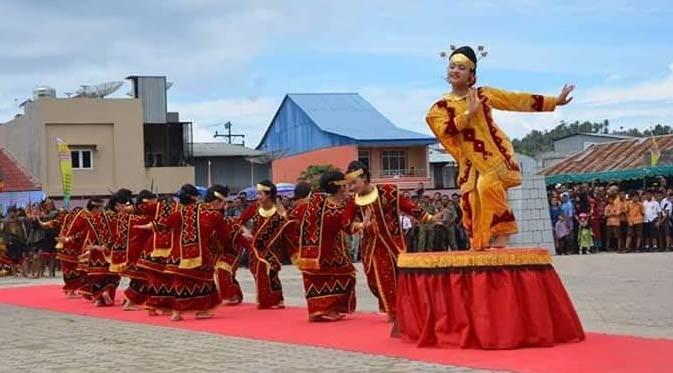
235 60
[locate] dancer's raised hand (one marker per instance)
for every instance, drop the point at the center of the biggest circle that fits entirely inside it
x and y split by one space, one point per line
472 102
564 97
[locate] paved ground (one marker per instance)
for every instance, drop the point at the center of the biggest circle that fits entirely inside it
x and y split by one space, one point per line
621 294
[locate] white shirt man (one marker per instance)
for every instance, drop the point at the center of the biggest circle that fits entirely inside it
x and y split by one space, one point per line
405 222
666 207
652 210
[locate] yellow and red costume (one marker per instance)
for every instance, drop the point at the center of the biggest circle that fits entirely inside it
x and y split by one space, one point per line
384 239
327 270
486 162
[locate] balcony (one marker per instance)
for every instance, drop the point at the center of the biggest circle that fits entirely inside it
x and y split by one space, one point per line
405 179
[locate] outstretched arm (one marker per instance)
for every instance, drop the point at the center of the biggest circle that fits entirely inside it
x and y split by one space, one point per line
525 102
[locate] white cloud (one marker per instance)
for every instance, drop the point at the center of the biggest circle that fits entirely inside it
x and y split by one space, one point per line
649 91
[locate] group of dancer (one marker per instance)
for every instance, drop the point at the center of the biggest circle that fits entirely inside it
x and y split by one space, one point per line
181 254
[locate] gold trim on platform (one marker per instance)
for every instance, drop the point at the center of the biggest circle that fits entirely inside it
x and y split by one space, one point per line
488 258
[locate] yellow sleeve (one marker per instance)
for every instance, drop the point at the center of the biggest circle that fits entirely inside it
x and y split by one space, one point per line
515 101
443 119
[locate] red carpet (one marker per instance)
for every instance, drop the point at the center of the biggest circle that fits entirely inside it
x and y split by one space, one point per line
368 333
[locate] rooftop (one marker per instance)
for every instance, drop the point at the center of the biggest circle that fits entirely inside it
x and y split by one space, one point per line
614 157
222 149
351 116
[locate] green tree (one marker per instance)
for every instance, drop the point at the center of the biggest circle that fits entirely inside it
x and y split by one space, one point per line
312 173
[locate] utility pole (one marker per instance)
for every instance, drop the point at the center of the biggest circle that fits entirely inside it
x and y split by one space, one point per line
228 134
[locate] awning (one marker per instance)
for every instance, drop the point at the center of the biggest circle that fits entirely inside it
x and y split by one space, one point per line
606 176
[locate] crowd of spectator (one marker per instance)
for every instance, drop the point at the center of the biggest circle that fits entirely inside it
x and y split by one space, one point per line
590 218
26 247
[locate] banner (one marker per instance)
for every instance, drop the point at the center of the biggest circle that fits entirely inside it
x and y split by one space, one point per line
66 170
655 153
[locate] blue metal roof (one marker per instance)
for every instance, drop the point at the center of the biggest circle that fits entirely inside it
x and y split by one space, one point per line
350 115
333 119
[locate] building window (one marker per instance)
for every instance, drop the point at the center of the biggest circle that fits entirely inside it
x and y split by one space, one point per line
81 159
363 156
394 162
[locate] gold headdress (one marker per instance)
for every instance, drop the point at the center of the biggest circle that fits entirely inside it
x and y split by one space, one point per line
456 56
263 188
354 174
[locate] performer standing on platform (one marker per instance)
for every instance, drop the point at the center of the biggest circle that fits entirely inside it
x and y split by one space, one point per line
327 270
267 238
376 211
463 123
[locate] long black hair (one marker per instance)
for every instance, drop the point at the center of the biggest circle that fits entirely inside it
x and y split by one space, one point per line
302 190
95 202
144 195
187 194
219 189
329 180
357 165
273 193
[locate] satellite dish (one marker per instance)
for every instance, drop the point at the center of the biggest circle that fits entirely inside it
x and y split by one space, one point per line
98 90
227 125
169 85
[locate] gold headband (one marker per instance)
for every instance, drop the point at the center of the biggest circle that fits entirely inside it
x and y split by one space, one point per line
460 58
339 182
354 174
219 196
146 200
263 188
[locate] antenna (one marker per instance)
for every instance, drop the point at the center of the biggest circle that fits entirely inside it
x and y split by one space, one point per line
228 135
98 90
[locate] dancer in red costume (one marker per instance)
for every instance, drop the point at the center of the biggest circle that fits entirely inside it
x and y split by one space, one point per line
127 247
376 210
196 223
267 240
157 248
227 263
327 270
88 236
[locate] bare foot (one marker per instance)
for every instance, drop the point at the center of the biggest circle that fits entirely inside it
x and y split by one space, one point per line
204 315
100 303
332 316
176 316
130 306
233 301
152 312
500 242
278 306
108 299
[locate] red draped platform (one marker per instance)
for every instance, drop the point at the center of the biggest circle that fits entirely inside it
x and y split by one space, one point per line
495 299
